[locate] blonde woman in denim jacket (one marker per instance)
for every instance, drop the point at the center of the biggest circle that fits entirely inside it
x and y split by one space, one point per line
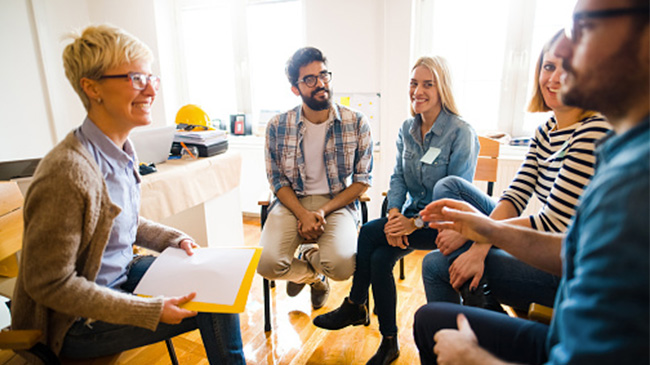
431 145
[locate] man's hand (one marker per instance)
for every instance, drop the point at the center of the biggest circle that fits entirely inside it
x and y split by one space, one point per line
449 241
470 265
172 313
460 217
312 225
456 346
189 246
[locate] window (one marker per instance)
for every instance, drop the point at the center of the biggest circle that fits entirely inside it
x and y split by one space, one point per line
492 47
208 60
274 34
234 54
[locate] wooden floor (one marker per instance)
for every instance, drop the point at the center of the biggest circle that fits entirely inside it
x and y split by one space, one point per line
294 339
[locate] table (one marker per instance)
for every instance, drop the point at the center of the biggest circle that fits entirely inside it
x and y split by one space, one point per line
200 197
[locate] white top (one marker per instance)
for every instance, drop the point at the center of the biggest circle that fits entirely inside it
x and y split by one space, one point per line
313 143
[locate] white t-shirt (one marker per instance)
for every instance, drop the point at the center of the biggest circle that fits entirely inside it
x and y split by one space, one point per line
313 143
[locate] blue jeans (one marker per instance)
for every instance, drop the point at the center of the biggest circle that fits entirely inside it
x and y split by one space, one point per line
510 339
511 281
219 332
374 265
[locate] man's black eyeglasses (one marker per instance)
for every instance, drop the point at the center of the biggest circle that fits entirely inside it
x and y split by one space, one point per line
574 30
310 80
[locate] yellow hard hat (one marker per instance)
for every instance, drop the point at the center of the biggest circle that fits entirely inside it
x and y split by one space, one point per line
191 117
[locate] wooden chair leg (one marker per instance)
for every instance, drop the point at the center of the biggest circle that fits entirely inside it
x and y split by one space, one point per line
267 306
172 352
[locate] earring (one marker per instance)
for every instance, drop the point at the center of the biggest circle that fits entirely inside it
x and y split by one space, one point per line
99 100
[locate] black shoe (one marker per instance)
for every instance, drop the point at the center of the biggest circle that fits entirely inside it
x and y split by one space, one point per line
481 297
387 352
345 315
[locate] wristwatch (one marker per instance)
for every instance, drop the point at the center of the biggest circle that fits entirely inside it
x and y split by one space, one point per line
418 223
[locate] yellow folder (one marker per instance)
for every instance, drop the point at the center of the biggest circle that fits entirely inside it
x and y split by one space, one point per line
177 274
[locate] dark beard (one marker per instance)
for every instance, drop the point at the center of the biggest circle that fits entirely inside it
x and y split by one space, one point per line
317 105
608 92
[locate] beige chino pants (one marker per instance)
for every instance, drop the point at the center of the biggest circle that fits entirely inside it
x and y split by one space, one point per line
337 246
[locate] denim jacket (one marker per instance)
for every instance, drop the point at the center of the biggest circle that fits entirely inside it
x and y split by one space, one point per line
412 182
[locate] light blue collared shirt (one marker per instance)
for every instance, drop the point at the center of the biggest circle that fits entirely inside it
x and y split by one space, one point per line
123 183
412 182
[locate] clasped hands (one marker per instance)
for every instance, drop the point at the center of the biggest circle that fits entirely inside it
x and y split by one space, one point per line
311 224
397 229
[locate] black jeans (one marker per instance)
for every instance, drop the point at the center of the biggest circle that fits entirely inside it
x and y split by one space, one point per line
510 339
374 265
220 332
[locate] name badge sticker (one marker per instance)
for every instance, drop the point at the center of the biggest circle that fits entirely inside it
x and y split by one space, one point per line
430 156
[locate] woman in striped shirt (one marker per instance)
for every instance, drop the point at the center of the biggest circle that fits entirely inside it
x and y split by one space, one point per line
558 166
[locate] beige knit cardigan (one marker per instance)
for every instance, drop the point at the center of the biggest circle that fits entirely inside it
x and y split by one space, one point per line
68 217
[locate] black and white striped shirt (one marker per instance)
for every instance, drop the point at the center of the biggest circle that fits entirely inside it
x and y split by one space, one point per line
558 166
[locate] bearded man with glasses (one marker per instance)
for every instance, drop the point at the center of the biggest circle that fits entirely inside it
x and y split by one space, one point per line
312 151
601 307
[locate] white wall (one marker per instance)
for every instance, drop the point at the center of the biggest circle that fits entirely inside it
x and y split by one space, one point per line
37 103
367 43
368 46
25 129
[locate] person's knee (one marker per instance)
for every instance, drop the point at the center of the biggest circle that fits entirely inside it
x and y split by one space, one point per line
339 271
436 316
435 266
447 187
271 267
370 230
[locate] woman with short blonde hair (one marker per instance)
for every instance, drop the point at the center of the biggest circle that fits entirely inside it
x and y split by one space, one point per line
81 218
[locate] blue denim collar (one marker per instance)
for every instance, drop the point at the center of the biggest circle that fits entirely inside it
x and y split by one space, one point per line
438 127
613 143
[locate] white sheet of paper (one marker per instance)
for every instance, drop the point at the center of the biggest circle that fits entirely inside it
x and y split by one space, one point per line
214 273
431 155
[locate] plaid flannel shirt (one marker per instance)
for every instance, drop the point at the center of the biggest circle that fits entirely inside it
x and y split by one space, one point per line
348 150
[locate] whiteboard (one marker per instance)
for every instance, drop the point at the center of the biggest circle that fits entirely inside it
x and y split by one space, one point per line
368 104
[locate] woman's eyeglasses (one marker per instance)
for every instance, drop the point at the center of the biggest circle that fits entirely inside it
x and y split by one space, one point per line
139 80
